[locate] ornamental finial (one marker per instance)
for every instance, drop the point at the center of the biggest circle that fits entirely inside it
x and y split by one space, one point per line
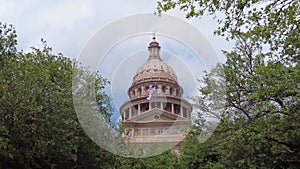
154 34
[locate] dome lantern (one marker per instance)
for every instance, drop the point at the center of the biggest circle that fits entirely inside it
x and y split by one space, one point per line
154 49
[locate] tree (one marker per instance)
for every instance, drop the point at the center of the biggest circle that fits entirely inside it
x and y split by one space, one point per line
258 85
39 126
272 25
165 160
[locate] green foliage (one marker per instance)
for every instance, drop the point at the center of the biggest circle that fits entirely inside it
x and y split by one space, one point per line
260 115
167 160
256 92
272 23
38 123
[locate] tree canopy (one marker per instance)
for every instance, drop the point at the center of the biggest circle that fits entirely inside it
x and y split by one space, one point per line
257 89
38 124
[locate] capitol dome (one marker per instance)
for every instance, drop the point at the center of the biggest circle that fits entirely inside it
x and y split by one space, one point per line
154 68
155 112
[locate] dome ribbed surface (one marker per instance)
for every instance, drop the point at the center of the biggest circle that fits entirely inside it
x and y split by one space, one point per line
153 69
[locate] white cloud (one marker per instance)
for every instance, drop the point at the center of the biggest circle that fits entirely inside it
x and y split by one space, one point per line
66 13
67 25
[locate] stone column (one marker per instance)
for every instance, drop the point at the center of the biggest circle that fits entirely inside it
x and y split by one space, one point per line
139 92
181 111
135 93
158 90
139 108
172 105
143 93
130 115
132 131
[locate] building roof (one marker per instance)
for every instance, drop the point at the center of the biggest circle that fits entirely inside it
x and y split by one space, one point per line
154 67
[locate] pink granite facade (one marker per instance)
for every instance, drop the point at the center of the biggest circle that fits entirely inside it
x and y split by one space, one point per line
167 116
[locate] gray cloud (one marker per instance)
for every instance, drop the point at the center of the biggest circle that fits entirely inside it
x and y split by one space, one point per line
68 24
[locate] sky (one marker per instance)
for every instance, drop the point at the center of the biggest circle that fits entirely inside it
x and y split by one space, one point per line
69 25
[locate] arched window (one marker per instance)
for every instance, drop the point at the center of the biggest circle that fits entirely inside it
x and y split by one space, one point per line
184 112
167 106
171 90
176 109
153 131
146 89
144 107
134 110
154 68
126 114
145 131
163 89
177 92
137 132
139 92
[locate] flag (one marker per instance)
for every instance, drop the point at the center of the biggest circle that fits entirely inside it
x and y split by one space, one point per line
151 92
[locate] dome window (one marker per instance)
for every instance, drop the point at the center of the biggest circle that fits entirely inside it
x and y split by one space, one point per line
163 89
139 91
171 91
177 92
162 68
146 89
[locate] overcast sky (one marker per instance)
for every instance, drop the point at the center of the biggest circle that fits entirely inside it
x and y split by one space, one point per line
67 25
